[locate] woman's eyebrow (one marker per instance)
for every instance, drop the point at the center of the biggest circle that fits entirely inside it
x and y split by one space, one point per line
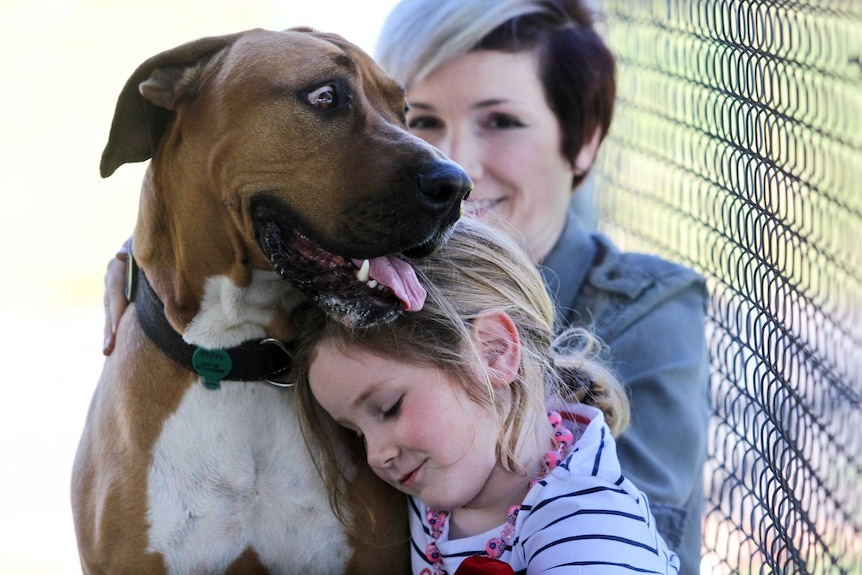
478 105
490 102
420 106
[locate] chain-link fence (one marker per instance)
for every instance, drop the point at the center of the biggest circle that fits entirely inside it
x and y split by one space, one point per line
736 149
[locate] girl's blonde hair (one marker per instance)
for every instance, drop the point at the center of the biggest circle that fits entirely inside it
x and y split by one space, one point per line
480 268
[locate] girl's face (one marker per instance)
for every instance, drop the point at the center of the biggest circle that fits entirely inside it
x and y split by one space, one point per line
423 434
487 111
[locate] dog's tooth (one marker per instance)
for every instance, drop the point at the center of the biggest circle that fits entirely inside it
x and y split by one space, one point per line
364 272
372 284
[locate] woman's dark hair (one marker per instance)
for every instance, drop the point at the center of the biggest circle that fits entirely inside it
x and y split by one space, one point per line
576 68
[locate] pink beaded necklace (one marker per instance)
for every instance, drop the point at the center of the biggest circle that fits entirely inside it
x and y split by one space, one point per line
494 548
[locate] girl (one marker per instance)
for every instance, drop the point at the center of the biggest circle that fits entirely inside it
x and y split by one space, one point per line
460 407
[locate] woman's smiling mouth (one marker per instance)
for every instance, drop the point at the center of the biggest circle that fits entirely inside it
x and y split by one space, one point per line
478 208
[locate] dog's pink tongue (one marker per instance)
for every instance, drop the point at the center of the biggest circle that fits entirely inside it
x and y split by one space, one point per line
399 276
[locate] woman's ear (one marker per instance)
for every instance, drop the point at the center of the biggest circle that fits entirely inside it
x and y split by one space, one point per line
587 154
499 345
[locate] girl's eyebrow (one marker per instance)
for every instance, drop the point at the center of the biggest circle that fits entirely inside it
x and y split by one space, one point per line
363 397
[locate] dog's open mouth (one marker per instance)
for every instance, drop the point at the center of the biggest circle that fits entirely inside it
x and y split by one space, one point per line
355 292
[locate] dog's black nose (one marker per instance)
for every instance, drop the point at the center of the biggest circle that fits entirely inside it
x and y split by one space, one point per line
444 182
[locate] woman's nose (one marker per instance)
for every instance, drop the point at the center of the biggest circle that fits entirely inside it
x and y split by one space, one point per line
463 148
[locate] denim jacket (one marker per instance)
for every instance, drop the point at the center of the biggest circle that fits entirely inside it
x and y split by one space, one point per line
651 315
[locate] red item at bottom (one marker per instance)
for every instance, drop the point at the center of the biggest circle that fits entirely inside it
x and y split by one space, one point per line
478 565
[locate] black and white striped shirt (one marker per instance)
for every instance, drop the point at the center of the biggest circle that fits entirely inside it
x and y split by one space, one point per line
583 517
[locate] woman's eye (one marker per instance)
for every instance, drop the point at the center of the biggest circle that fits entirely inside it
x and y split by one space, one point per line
393 410
423 123
504 121
325 97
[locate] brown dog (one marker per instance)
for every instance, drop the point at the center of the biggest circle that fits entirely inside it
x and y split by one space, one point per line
271 153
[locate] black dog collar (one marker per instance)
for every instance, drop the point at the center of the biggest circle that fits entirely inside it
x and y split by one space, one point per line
252 361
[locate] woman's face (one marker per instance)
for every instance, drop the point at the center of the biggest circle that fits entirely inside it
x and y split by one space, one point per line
487 111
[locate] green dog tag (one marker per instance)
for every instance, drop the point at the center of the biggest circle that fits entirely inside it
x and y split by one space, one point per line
212 365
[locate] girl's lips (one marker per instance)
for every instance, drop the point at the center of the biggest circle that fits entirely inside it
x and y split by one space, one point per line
408 478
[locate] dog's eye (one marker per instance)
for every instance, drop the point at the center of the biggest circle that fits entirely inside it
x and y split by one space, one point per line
325 97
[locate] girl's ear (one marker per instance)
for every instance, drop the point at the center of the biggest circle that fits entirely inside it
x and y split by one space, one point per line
587 154
499 345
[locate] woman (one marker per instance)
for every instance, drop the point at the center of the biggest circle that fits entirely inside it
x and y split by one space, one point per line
520 93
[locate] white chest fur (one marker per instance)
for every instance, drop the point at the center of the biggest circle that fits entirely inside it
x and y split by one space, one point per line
230 469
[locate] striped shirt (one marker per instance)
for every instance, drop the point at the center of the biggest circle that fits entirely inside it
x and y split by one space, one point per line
583 517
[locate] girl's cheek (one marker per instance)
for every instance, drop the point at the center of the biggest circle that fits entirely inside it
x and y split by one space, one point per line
379 473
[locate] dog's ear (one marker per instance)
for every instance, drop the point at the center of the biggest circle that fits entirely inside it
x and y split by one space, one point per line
145 102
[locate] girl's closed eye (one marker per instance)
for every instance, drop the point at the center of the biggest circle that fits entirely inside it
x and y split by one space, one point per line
393 410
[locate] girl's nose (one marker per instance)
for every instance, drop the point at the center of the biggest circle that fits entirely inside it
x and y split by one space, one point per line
381 452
